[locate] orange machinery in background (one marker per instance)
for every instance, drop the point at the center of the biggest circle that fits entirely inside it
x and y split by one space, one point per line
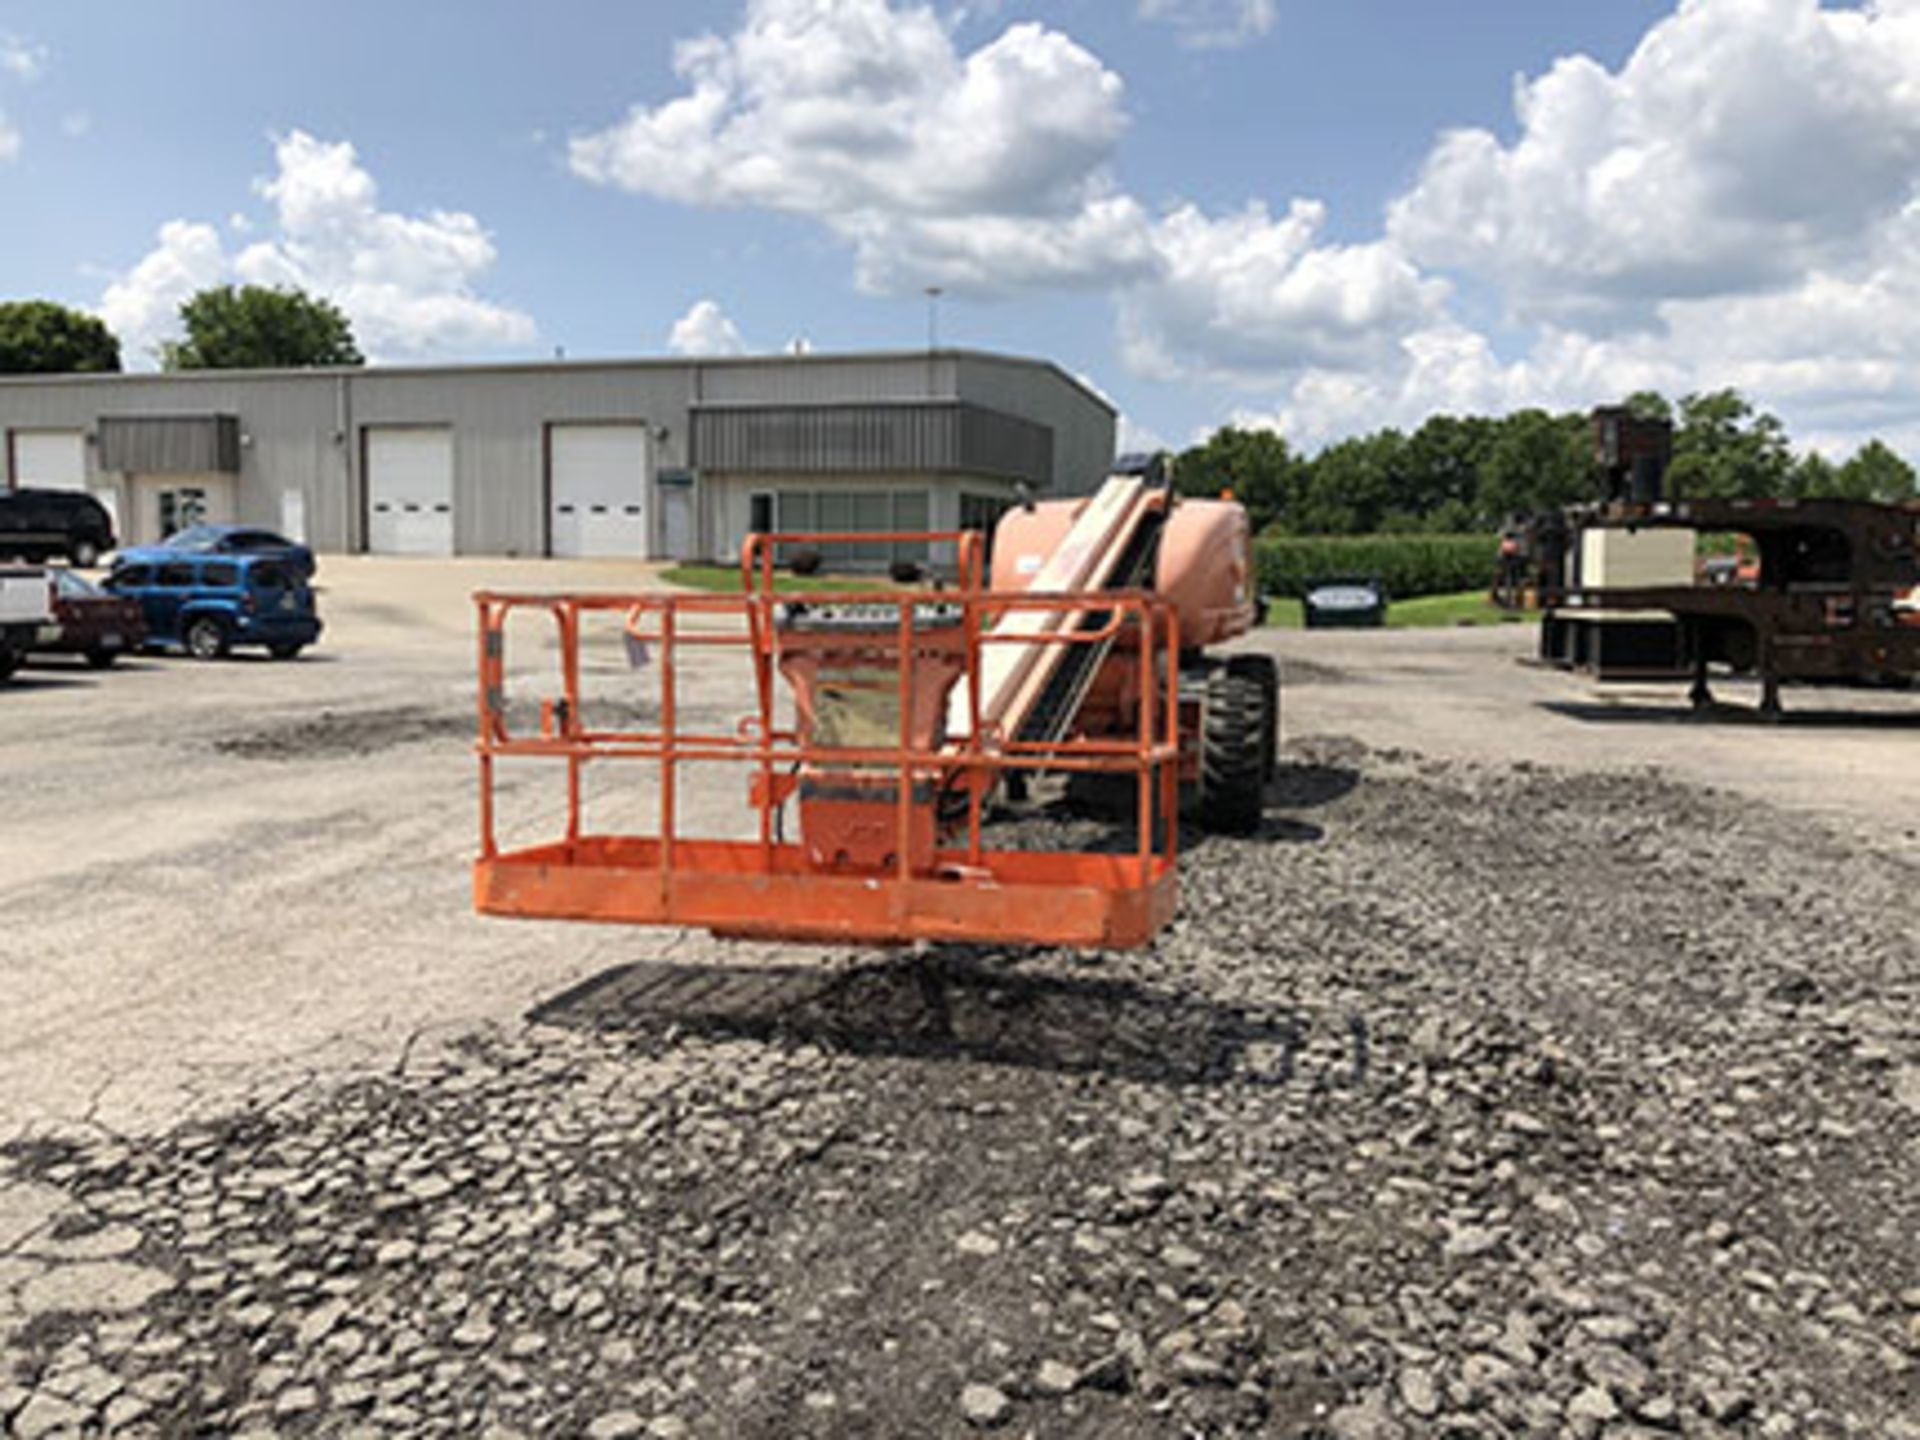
904 710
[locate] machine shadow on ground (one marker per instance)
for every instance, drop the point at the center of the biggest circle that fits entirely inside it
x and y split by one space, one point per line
976 1004
949 1003
1307 787
1294 787
1722 713
33 677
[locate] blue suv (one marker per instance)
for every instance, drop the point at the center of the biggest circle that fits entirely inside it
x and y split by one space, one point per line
207 604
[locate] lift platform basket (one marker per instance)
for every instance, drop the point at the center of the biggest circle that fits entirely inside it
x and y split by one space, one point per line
867 720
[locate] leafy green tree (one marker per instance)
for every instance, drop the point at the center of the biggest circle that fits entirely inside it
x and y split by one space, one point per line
38 337
1724 449
1353 485
1536 461
1439 474
1648 405
1256 465
1876 473
1813 475
258 328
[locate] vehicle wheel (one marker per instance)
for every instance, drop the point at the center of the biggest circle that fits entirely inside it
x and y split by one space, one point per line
100 657
1265 671
285 652
206 638
9 661
1233 751
85 554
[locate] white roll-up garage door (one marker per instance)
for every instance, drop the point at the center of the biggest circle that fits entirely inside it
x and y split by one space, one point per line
600 477
409 491
49 460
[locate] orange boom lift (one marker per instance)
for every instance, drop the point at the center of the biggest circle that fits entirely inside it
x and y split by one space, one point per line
887 720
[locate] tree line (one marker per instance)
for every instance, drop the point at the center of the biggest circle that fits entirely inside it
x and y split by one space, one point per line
1454 475
1469 474
224 327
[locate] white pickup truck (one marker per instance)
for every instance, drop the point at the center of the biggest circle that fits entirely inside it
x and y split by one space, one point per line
26 614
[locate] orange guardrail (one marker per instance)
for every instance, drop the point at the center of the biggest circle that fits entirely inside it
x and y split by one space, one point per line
963 889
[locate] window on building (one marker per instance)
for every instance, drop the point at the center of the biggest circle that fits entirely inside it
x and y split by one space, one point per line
874 511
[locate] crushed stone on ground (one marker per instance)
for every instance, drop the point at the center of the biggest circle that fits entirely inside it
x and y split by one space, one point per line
1458 1102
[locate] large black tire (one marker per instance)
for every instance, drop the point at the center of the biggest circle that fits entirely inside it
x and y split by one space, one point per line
9 660
206 638
288 651
1264 670
101 658
1233 751
85 554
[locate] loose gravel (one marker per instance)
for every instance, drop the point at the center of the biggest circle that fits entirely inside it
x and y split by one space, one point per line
1458 1102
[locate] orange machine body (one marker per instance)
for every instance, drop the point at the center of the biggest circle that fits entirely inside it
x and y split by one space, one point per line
845 676
1204 567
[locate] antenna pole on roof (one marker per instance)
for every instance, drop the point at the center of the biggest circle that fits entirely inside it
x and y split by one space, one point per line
933 293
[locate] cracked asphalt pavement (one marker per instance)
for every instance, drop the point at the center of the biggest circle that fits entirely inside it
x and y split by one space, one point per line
1472 1096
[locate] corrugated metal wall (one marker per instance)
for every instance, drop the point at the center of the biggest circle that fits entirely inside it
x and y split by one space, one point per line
499 420
170 444
290 421
824 380
809 440
304 431
1082 425
992 443
863 439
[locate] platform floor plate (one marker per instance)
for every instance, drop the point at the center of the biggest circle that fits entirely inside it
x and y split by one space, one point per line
740 888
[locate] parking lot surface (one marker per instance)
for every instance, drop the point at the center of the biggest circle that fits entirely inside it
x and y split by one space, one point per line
1546 1064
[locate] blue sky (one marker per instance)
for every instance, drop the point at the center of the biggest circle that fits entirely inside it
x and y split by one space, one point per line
1320 217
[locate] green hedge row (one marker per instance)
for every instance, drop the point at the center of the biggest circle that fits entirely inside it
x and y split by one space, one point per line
1408 565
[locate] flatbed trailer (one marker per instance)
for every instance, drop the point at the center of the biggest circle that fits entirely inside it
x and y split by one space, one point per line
1833 601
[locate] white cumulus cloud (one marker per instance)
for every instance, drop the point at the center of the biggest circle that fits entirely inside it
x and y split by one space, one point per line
985 170
142 306
1743 143
1213 24
1736 203
22 58
1250 295
405 281
705 330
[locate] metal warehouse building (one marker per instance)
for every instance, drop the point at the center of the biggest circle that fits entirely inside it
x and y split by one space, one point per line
665 459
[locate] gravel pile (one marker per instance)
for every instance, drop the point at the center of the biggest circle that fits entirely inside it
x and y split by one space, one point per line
1456 1103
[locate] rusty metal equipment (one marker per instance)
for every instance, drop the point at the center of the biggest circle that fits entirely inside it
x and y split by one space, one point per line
1832 601
887 719
1630 453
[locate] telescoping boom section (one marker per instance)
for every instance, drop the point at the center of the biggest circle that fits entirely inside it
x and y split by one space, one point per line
880 723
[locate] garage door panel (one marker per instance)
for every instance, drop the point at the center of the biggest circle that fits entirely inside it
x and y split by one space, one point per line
599 480
50 459
410 491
